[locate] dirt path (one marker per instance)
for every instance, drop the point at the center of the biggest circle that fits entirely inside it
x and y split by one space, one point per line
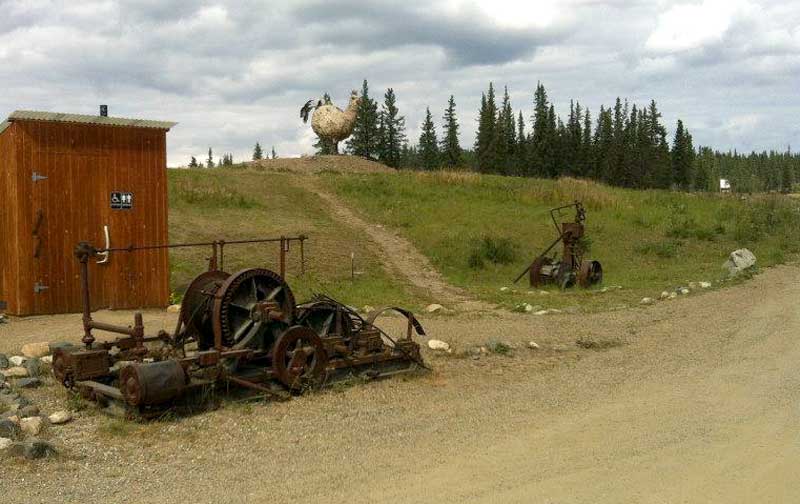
399 255
700 404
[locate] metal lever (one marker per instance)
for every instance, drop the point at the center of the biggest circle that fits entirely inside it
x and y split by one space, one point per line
104 256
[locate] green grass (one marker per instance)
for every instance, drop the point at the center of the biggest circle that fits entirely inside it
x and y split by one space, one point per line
206 205
647 241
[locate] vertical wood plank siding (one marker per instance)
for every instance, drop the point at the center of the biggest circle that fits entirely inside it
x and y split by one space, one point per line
83 164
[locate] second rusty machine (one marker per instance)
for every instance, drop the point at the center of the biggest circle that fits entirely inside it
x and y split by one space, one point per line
571 267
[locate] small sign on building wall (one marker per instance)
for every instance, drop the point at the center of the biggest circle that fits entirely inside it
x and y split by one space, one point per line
121 200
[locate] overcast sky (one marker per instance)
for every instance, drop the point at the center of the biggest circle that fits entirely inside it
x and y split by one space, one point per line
236 72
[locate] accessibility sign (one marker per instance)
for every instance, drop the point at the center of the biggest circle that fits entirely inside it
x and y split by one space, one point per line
121 200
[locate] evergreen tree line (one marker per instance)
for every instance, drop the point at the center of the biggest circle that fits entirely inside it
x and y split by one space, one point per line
625 145
225 160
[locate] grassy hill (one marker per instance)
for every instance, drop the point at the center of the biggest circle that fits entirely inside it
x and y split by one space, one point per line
647 240
480 231
241 204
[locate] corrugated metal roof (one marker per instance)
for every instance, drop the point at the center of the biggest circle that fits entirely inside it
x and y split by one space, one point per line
32 115
4 125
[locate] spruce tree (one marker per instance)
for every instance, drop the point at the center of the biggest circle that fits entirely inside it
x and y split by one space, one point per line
506 137
257 152
521 150
210 160
486 136
680 167
193 162
364 140
586 157
428 144
541 144
659 154
393 136
450 147
273 154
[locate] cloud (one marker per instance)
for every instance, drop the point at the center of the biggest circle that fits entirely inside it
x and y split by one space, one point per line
236 72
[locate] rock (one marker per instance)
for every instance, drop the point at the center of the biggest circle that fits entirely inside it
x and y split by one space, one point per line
5 443
60 417
4 361
433 308
31 426
533 345
438 345
28 411
15 372
541 312
367 309
504 289
17 360
683 291
37 350
673 295
664 295
705 285
176 308
60 345
48 359
35 366
543 293
8 429
739 261
528 308
29 382
32 449
647 301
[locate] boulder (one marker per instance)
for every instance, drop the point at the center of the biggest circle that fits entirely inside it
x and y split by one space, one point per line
8 429
28 411
739 261
683 291
17 360
647 301
60 345
176 308
60 417
15 372
433 308
504 289
48 359
37 350
705 285
29 382
440 345
367 309
35 366
32 449
31 426
533 345
4 361
5 443
664 295
673 295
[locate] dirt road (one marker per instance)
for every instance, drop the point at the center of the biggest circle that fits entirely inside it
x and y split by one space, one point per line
701 403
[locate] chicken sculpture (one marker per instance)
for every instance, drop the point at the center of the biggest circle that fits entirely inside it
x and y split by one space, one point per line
329 122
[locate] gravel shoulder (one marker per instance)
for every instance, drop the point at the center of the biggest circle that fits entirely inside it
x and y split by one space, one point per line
695 401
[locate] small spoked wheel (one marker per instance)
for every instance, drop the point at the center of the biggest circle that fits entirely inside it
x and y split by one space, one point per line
591 273
299 358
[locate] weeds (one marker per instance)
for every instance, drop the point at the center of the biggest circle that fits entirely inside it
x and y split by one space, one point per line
493 250
208 193
500 348
595 344
665 249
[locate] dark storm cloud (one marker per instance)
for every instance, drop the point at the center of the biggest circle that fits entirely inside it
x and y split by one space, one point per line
233 72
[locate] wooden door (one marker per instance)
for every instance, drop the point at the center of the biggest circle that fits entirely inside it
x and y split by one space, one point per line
68 181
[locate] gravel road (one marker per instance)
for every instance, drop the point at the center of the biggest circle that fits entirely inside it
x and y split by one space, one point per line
697 403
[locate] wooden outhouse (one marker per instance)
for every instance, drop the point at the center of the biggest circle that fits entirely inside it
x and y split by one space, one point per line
67 178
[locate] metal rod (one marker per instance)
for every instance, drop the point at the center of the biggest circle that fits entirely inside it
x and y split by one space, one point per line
560 237
132 248
283 257
302 255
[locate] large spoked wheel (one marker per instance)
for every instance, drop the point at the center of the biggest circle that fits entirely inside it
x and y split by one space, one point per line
591 273
299 358
194 308
251 308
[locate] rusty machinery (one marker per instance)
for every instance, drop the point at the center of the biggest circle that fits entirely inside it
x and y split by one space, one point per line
242 329
571 266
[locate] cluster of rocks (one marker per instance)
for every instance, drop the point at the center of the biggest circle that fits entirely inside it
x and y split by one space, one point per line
21 422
